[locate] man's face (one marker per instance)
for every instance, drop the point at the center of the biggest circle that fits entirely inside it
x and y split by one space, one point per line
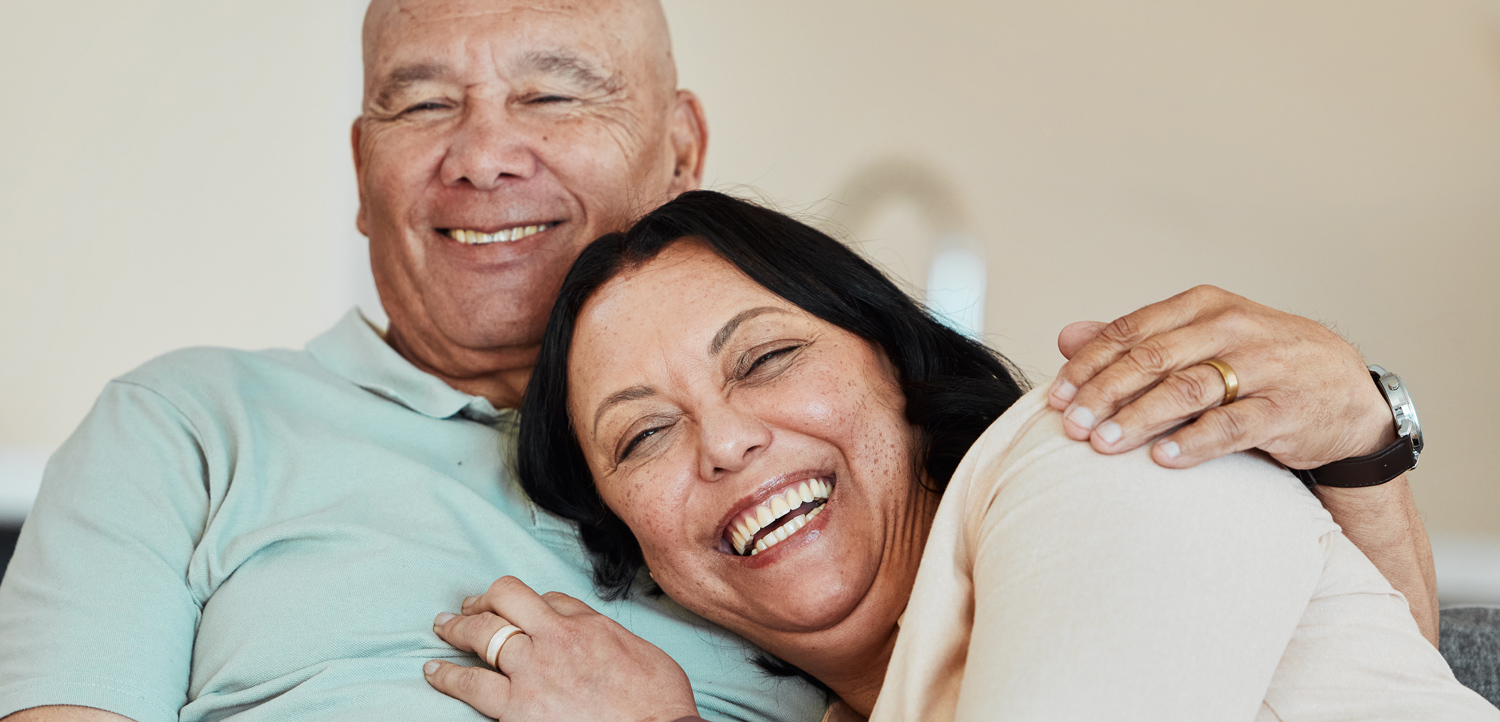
498 138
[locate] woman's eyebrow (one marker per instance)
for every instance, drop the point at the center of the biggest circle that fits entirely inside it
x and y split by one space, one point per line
620 397
722 337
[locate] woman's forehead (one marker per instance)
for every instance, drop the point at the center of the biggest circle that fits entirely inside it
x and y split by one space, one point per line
666 311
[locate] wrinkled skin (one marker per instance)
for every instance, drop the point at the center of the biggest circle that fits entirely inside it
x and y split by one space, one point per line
485 115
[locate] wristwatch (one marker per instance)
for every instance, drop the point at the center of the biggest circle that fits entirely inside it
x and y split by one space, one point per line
1383 465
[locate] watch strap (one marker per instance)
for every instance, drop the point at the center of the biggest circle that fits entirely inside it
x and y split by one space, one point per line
1361 471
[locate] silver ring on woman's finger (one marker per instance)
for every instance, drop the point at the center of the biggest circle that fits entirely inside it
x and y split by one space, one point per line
492 652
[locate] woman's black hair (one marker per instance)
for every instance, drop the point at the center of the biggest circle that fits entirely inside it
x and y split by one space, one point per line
955 387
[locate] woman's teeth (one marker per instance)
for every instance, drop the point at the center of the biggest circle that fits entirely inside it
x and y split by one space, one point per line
475 238
786 512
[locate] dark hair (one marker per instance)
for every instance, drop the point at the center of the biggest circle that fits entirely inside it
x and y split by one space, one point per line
955 387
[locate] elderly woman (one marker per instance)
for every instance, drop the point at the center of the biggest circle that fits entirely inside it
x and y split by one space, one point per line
738 409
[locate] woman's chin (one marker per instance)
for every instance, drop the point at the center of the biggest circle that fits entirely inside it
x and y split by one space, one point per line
805 598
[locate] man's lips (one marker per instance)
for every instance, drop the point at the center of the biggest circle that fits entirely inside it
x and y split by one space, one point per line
506 234
761 525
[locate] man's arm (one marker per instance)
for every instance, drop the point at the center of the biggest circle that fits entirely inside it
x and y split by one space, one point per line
1305 398
96 610
1383 522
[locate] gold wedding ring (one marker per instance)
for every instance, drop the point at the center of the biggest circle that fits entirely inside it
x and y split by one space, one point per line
492 653
1231 381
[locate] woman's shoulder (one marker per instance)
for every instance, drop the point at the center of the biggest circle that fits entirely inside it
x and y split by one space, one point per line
1025 457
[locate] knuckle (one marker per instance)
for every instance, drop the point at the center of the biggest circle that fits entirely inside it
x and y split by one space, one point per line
505 585
1228 424
1151 357
464 682
1190 389
1125 331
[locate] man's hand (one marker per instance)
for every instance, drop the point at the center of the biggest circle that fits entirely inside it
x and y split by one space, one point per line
1305 396
569 663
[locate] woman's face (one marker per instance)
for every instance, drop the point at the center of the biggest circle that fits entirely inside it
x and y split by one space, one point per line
760 454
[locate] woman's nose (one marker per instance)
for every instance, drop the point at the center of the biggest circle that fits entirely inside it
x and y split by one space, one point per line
731 439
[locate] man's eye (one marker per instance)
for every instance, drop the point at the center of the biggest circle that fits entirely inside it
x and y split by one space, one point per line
421 107
546 99
636 441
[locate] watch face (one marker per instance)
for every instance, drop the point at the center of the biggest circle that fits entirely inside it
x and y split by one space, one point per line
1402 408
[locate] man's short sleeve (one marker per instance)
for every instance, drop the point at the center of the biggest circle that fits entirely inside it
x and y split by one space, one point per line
95 608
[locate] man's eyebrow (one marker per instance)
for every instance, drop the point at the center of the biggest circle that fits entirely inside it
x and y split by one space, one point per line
404 76
573 67
620 397
722 337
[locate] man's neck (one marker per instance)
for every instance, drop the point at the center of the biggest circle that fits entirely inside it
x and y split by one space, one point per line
499 376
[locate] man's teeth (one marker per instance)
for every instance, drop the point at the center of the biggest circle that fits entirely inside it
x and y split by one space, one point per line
475 238
743 530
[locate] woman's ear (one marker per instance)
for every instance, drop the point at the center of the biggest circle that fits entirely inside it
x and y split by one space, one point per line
689 136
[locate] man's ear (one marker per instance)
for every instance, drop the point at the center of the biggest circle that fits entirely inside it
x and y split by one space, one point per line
355 134
689 135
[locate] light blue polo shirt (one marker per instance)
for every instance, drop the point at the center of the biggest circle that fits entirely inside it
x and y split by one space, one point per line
268 535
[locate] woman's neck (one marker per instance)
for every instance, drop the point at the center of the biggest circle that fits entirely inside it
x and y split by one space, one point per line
854 667
858 681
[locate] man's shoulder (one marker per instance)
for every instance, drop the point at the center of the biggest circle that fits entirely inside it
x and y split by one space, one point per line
212 376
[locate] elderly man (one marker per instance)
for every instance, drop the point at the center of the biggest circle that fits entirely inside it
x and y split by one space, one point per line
268 535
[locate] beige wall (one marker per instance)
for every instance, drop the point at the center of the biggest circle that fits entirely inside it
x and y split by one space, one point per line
176 173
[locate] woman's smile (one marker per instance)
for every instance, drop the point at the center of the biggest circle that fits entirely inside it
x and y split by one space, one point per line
782 511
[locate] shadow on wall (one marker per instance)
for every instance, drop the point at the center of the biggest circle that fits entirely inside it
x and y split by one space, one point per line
954 258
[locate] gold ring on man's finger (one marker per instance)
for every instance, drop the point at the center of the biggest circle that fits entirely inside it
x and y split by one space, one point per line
1231 380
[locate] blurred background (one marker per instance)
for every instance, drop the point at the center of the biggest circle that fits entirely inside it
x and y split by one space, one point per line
177 172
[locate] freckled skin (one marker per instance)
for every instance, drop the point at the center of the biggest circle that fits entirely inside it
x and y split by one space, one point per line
489 138
830 596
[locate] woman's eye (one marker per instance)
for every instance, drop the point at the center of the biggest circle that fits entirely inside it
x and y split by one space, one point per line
545 99
767 357
637 439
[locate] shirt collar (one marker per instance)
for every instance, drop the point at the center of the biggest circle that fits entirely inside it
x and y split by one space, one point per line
355 350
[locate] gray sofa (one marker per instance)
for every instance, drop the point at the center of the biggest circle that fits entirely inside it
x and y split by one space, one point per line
1469 638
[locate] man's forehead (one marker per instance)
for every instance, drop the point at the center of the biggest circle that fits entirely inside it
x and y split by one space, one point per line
428 33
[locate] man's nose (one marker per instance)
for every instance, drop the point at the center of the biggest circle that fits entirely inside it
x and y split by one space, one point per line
731 439
489 147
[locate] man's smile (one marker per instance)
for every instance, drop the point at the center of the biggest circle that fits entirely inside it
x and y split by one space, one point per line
471 237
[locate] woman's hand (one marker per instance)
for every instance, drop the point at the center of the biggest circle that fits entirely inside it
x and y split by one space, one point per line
570 662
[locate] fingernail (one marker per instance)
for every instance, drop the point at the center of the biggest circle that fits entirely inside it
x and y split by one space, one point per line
430 668
1082 417
1064 390
443 619
470 600
1169 448
1110 432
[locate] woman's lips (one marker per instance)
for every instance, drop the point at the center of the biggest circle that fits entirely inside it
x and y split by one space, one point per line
761 526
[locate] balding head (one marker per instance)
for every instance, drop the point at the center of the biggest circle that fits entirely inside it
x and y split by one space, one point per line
499 137
637 28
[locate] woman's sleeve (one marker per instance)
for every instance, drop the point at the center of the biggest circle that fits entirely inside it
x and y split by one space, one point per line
95 609
1107 587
